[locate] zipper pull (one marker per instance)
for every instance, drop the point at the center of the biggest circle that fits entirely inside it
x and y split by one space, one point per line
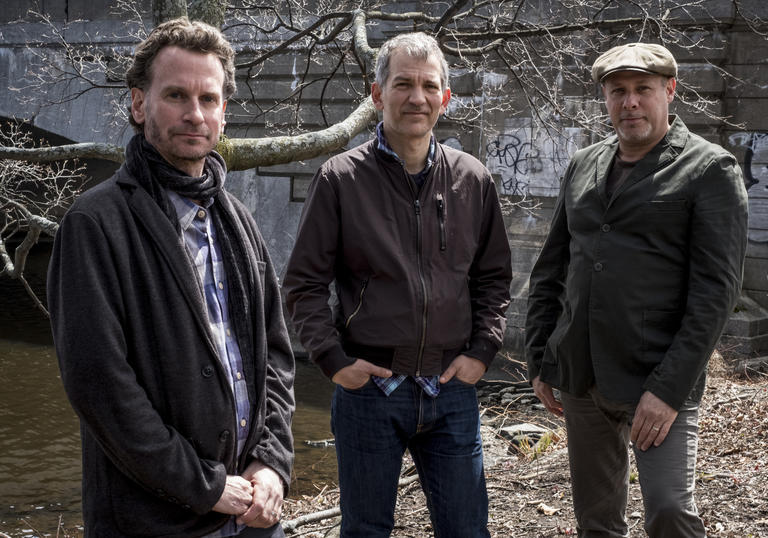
417 207
441 219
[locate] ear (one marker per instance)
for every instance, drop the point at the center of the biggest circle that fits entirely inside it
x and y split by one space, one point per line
670 89
138 101
446 98
376 96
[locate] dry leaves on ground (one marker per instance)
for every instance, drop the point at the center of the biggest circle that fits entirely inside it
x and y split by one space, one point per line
529 485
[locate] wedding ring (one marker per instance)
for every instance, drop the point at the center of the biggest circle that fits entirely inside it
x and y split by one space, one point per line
655 428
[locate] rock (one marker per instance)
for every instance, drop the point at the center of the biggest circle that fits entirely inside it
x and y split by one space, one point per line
524 433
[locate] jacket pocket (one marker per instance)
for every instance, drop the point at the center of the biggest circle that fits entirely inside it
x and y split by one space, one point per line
666 206
359 305
659 329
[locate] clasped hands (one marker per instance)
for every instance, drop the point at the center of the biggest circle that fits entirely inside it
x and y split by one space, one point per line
255 497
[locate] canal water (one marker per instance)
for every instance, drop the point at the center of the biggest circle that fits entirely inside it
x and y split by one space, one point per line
39 433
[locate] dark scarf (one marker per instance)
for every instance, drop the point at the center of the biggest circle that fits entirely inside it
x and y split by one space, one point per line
156 175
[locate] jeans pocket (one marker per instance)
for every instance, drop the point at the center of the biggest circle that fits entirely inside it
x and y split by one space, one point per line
360 388
462 382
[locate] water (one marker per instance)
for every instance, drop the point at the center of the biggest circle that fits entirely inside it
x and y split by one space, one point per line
39 433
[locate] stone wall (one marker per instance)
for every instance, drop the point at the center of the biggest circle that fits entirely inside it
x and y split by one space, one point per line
526 159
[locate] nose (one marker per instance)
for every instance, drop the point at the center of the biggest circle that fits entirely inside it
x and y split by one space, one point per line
194 113
630 100
417 95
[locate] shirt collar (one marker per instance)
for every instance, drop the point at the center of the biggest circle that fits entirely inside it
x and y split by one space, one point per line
186 209
389 152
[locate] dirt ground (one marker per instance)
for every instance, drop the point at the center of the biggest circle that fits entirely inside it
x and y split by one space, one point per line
529 485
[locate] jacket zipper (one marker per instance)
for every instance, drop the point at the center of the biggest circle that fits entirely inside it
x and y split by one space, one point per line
359 304
441 219
419 356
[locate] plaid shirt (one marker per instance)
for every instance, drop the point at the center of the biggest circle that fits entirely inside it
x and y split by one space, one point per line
205 254
430 384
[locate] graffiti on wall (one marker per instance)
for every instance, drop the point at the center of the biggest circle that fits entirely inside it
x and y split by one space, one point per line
755 168
530 160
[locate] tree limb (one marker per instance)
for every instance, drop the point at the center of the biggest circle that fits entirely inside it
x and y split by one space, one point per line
362 48
86 150
246 153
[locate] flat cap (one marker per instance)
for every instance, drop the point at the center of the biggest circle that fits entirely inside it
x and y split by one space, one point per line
644 57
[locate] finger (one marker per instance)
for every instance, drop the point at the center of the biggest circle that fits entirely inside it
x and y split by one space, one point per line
378 371
250 515
554 406
448 374
662 434
648 433
267 518
256 508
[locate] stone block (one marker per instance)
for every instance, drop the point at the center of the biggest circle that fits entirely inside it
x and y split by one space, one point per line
749 80
744 345
268 88
756 274
100 9
746 47
700 46
701 77
693 117
752 113
17 10
701 12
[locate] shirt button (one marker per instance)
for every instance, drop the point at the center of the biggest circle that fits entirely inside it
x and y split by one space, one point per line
201 214
606 227
229 333
243 423
221 285
239 375
598 267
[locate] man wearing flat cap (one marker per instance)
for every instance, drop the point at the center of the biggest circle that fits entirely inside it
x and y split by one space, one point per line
639 273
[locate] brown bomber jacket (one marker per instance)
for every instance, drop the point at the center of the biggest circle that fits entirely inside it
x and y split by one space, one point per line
419 278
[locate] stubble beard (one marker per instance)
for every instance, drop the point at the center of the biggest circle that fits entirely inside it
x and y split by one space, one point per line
174 156
636 136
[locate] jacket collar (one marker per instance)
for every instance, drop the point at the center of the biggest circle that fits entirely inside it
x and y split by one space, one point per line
168 242
662 154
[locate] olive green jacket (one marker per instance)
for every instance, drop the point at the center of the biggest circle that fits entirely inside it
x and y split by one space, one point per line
632 293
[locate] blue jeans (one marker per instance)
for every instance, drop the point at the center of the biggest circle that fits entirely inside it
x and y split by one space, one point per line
443 436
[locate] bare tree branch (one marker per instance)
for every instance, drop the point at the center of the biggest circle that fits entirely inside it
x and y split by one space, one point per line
247 153
86 150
